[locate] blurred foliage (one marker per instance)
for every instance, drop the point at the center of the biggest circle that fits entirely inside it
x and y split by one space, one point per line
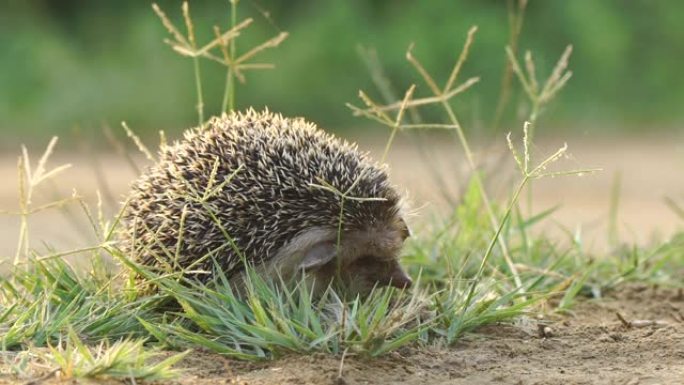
68 64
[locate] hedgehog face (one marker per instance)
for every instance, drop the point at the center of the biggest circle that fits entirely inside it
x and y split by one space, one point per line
365 258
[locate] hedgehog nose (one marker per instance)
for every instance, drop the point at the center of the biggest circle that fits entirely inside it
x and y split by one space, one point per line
400 279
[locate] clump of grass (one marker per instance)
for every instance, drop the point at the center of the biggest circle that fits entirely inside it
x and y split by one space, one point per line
459 321
41 302
125 359
272 319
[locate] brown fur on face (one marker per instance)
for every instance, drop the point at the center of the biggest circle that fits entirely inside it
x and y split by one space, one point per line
368 272
364 259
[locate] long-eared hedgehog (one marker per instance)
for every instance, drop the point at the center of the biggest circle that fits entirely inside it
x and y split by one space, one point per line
247 186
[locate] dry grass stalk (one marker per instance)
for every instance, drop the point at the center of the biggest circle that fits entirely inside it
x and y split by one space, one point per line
224 43
398 120
138 142
415 102
528 79
461 59
29 180
640 323
120 149
539 98
343 197
539 171
516 16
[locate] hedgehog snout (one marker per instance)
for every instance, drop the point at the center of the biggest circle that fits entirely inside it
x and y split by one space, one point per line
369 272
380 272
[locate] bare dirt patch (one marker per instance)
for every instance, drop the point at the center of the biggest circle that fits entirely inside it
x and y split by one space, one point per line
591 346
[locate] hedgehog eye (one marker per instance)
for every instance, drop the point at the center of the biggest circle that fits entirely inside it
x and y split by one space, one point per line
373 261
366 260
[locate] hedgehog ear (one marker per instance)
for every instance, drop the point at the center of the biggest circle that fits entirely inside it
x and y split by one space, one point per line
318 255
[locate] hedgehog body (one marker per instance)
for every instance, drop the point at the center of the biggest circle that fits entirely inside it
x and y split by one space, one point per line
259 188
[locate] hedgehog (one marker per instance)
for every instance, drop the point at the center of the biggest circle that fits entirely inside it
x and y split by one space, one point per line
261 189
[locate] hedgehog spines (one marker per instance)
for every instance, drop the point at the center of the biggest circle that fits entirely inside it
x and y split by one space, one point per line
266 167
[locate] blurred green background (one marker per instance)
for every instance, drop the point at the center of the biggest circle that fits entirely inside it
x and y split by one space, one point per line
70 65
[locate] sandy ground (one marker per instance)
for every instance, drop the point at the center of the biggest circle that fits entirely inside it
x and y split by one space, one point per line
431 172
